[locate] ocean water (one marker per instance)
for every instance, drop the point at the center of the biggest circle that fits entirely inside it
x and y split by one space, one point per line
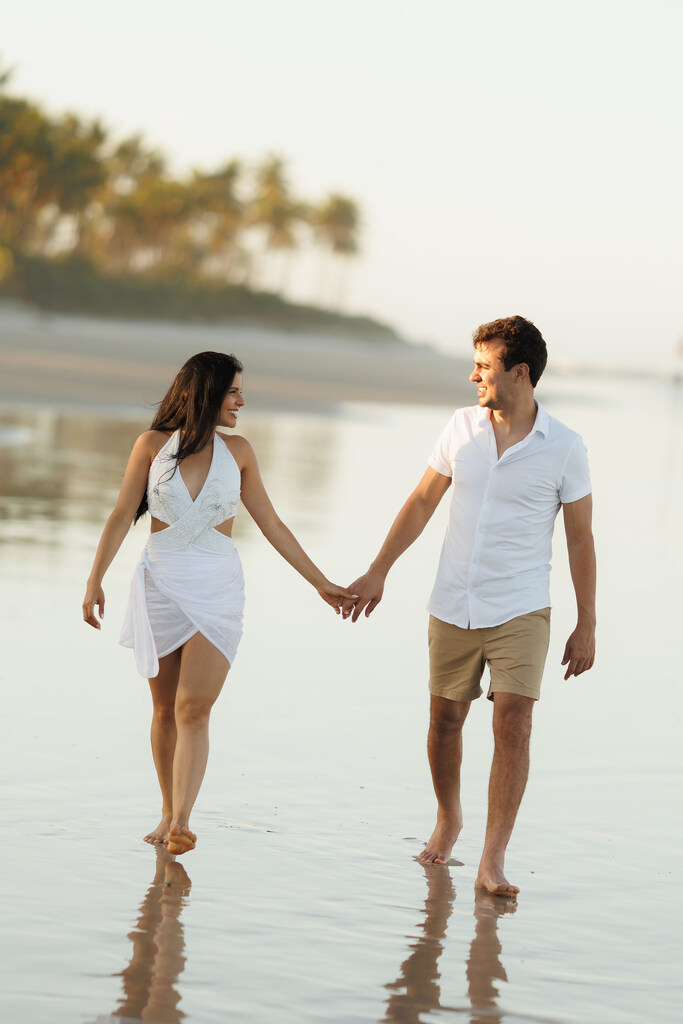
303 901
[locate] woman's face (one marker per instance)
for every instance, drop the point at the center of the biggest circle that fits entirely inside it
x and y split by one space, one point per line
232 403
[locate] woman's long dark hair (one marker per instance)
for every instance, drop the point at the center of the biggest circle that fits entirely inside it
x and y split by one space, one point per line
192 404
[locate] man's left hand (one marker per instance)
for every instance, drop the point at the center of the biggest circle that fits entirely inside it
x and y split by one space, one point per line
579 653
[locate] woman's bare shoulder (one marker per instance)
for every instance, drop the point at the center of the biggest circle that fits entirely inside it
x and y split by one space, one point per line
151 442
238 446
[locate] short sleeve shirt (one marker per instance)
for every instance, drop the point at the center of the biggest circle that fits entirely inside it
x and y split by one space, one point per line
495 560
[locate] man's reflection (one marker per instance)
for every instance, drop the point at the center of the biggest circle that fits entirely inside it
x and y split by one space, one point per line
483 963
149 980
417 991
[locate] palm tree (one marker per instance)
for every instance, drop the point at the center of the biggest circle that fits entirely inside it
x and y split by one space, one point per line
77 173
107 230
49 169
336 226
149 222
273 210
64 185
215 219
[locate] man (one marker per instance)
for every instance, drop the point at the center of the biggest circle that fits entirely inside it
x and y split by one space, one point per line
510 467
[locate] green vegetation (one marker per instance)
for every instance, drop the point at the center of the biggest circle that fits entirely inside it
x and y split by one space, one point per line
89 224
73 285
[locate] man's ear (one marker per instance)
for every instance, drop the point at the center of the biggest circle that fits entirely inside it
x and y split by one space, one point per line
521 372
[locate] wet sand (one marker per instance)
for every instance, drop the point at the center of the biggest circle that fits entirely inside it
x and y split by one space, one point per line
303 901
71 360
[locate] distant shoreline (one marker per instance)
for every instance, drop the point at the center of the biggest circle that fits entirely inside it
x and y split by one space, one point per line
106 363
74 286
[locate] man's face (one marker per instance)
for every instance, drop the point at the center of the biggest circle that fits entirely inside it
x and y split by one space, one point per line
494 382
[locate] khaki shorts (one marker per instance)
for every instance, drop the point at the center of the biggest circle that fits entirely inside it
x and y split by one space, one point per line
515 652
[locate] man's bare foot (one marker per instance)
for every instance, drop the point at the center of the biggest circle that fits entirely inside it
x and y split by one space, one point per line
442 841
160 833
492 880
488 906
180 840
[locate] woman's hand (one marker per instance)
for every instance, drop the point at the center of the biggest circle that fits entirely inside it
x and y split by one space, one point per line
94 598
335 596
120 520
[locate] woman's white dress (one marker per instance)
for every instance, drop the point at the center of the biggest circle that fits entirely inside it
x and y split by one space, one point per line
189 578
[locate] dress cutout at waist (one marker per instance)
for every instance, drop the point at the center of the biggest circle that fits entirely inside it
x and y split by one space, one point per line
170 502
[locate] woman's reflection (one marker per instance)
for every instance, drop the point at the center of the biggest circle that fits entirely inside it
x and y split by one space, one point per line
418 990
149 980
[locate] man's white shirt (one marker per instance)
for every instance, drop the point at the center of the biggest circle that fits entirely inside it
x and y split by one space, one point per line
495 560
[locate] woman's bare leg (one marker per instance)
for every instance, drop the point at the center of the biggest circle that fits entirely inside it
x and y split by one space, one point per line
163 734
202 673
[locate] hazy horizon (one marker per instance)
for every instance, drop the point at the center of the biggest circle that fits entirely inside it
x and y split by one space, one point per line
506 161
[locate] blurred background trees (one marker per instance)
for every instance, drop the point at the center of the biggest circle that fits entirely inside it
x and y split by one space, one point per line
70 193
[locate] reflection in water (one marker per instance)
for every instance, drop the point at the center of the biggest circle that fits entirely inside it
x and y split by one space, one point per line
671 481
149 980
59 466
483 963
417 991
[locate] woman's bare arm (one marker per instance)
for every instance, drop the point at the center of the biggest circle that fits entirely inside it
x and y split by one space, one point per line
119 522
260 508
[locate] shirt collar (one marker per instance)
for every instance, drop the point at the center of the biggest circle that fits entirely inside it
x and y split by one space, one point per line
541 423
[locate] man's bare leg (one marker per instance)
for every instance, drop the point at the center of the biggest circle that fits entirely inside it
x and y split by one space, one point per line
444 746
509 773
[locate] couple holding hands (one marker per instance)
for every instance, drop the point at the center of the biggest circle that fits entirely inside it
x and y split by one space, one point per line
509 466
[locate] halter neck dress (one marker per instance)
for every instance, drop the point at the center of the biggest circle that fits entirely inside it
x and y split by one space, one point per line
189 578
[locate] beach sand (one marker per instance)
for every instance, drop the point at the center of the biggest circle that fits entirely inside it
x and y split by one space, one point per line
71 360
303 901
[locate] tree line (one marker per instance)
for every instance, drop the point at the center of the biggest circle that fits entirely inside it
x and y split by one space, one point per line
69 190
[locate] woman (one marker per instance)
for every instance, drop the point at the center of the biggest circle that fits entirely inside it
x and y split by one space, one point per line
184 617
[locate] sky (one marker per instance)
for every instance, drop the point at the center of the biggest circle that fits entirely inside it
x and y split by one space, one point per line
508 157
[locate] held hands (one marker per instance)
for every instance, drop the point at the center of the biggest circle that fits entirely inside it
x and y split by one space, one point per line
94 598
579 653
336 596
368 590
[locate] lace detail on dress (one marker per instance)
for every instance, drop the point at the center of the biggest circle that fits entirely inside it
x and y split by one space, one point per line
159 504
170 502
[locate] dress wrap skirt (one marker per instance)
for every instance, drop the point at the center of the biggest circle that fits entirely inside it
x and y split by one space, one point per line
177 592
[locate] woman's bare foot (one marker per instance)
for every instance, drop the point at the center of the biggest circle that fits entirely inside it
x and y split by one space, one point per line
442 841
164 858
176 876
160 833
180 840
492 880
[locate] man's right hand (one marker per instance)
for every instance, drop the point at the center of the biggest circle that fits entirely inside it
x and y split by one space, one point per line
369 590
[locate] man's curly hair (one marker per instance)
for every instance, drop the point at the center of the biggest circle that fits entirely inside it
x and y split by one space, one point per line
523 344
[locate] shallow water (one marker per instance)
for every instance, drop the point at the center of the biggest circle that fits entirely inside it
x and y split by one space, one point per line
304 902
